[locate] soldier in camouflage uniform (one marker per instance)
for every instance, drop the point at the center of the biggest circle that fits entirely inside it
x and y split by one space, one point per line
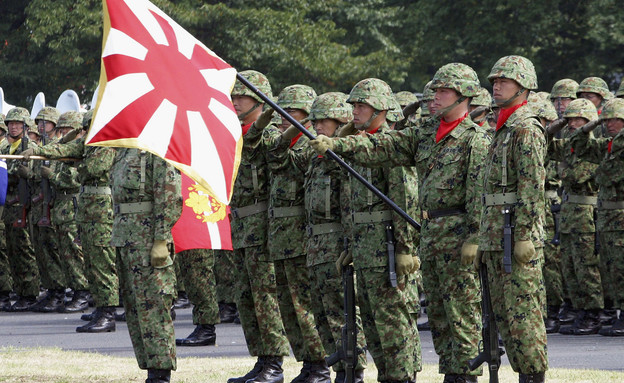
562 93
483 99
595 90
449 156
95 219
426 101
578 231
391 335
6 283
256 284
514 180
609 154
22 261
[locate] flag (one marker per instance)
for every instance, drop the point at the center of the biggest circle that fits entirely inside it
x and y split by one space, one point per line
4 181
163 91
204 223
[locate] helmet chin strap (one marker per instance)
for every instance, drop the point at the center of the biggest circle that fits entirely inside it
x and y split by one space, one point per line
511 99
242 117
443 111
368 123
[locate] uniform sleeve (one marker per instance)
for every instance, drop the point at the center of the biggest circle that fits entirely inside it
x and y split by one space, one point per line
100 161
65 177
556 147
475 183
167 203
392 148
588 148
72 149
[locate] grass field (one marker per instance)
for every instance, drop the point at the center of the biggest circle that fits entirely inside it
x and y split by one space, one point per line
55 365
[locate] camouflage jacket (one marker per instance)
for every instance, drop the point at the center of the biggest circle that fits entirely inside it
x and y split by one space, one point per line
251 187
12 168
578 178
66 185
93 170
609 174
522 137
553 183
161 187
36 189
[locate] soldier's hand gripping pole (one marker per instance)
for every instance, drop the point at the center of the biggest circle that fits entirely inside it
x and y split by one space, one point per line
329 153
491 352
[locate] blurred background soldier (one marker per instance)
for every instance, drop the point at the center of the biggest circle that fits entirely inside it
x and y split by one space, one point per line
483 99
597 91
562 93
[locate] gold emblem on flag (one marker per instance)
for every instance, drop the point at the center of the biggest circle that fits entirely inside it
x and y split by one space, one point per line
204 205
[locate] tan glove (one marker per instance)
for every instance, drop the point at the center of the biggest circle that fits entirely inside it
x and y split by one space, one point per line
264 119
46 172
290 133
159 256
416 267
23 171
468 253
27 153
322 144
344 259
404 263
524 251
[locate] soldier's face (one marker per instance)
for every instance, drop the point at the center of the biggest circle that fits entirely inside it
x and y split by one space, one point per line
431 107
326 127
444 97
15 128
33 137
561 104
242 104
504 89
614 126
576 122
595 98
297 114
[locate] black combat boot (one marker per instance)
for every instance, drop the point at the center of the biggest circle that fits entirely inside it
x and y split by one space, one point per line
103 321
41 300
182 302
358 376
318 372
79 302
227 312
567 314
271 371
158 376
120 317
5 300
251 374
23 304
532 378
588 324
552 320
617 329
608 316
55 301
340 376
89 317
305 371
203 335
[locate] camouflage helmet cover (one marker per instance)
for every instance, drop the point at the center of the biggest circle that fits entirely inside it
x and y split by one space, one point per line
18 114
594 85
2 124
482 99
71 119
581 108
33 128
614 108
332 105
517 68
48 113
258 80
620 91
86 119
404 98
373 92
565 88
459 77
543 109
297 97
427 93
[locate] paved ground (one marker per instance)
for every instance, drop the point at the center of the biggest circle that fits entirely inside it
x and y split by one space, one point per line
58 330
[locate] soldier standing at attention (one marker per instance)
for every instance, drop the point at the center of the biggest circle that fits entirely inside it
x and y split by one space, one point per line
514 183
6 283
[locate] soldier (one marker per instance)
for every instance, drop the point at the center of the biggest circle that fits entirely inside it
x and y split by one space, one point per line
6 283
514 193
562 93
197 270
426 102
578 231
20 250
95 219
483 99
607 152
257 300
391 335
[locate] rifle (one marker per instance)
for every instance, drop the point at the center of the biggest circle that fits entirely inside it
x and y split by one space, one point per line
348 351
507 239
23 189
490 352
555 209
391 255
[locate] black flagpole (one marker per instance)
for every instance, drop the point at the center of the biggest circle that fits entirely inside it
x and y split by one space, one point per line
329 153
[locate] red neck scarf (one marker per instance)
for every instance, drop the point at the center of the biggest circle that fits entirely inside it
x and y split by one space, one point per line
599 111
446 127
246 128
482 123
609 147
294 140
504 114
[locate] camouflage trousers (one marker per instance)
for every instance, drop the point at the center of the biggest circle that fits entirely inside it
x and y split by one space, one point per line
454 311
257 303
294 296
197 270
22 261
179 280
225 273
72 258
391 337
147 295
100 263
48 257
581 270
553 270
612 256
518 300
328 308
6 282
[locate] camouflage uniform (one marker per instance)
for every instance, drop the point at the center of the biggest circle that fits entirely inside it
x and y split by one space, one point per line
608 153
197 270
22 261
620 92
515 177
6 282
148 202
598 86
225 276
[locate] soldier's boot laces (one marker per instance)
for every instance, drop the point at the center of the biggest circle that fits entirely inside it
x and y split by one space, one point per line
5 301
55 301
79 302
589 323
318 372
182 302
103 321
532 378
227 312
203 335
617 329
271 372
552 320
251 374
158 376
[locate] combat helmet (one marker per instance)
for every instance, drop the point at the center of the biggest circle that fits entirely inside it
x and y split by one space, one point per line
297 97
2 124
395 113
620 91
18 114
543 109
581 108
332 105
373 92
86 119
517 68
459 77
614 108
48 113
565 88
595 85
404 98
482 99
71 119
426 97
258 80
